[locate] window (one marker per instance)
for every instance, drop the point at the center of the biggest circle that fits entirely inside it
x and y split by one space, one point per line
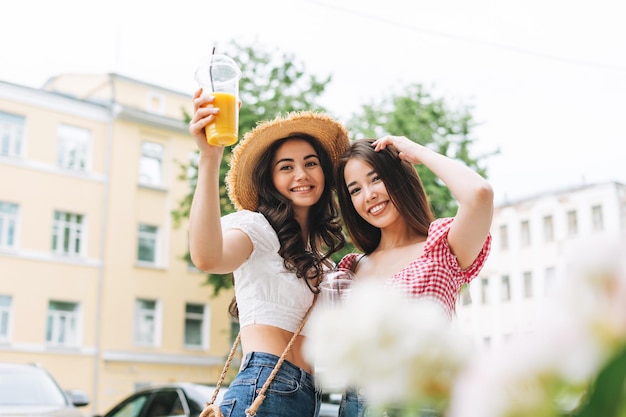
134 407
504 237
466 298
549 280
572 223
548 229
484 290
73 147
151 164
62 327
156 103
165 402
597 219
147 244
505 288
5 316
11 134
67 232
195 328
525 232
528 284
8 222
146 322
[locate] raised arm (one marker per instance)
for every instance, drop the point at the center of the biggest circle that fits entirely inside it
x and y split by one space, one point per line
474 194
211 250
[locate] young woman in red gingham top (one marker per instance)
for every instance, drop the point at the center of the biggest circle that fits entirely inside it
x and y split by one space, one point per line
436 273
388 217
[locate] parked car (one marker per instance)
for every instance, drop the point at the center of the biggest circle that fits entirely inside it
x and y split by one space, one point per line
177 399
330 404
29 390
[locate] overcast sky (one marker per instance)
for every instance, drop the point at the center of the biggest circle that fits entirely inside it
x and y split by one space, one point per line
546 78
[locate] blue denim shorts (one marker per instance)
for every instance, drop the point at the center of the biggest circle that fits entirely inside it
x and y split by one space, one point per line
291 393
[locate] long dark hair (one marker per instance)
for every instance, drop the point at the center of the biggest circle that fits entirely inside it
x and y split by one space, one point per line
403 185
325 231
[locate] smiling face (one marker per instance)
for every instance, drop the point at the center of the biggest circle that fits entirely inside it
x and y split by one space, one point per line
368 194
297 174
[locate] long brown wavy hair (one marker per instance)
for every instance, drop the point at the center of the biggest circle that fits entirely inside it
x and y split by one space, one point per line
307 260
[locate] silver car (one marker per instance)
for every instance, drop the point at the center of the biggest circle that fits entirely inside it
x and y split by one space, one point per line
29 390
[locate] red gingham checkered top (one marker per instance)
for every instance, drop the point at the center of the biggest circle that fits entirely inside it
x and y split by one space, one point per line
436 273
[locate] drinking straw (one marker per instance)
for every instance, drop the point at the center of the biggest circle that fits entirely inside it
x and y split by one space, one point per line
211 70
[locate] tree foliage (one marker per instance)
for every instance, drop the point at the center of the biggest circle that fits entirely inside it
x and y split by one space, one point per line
272 83
427 120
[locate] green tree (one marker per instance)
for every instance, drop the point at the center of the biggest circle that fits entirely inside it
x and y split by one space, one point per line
271 83
427 120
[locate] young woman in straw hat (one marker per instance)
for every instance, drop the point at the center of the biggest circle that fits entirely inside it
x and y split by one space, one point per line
277 245
388 217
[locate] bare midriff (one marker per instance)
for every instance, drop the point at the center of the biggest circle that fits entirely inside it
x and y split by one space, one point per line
270 339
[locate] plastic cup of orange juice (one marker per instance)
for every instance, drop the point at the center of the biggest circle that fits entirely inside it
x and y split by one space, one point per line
219 76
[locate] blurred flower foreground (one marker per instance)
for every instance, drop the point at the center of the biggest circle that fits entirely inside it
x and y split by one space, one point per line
407 356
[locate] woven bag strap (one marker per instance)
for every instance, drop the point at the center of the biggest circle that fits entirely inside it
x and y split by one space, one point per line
251 412
231 355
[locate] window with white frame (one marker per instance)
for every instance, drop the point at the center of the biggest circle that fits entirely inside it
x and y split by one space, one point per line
155 103
67 233
11 134
525 233
572 223
484 290
74 147
62 327
504 237
5 316
195 325
548 229
528 284
8 224
597 218
148 244
147 322
550 280
151 164
505 288
466 297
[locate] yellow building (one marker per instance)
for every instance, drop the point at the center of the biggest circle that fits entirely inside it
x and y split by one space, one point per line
93 284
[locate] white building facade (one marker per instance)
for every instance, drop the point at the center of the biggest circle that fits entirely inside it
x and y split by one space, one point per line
533 241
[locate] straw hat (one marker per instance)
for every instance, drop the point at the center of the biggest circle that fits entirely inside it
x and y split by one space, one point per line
331 135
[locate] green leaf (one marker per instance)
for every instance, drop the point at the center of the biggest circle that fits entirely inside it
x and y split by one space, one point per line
607 396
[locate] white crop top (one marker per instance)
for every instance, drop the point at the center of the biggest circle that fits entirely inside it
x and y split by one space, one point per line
266 293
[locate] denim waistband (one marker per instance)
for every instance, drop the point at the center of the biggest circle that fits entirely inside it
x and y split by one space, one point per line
287 368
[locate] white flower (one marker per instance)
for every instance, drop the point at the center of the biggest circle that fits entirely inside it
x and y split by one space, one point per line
596 291
549 371
397 350
408 354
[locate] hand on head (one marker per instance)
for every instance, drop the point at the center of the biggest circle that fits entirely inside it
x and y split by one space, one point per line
407 149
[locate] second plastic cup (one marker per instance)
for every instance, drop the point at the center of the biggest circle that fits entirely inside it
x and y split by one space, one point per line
336 286
219 76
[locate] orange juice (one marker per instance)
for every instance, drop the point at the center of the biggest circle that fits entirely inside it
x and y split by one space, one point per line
223 131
